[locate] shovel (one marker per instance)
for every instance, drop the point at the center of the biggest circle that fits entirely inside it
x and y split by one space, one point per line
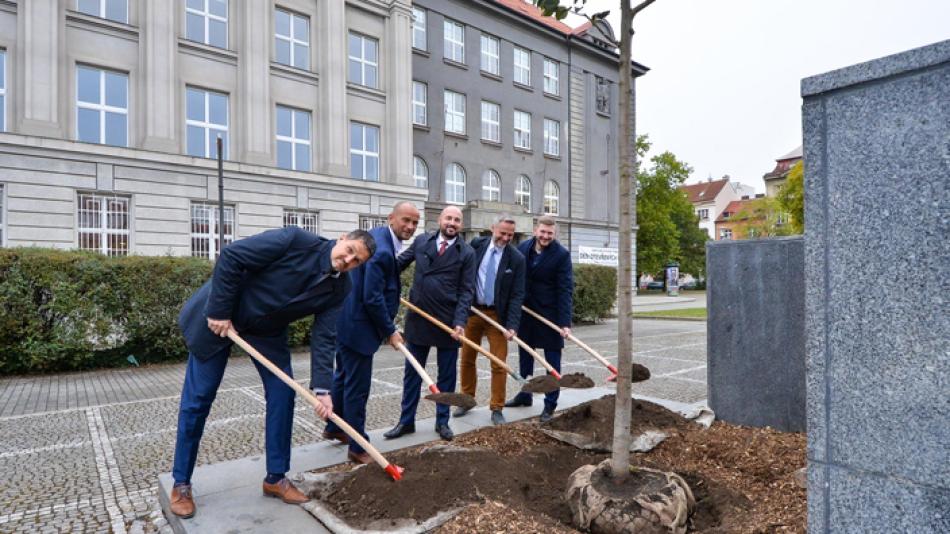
394 470
452 399
578 342
540 383
464 340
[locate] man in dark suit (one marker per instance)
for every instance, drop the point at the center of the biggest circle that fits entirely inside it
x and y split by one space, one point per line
365 322
549 288
260 285
499 291
443 286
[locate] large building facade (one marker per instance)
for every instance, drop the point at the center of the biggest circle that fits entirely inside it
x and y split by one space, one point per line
516 112
110 112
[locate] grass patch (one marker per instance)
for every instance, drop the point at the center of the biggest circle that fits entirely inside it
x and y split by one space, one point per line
684 313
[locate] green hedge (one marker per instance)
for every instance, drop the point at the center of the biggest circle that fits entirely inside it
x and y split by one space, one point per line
595 291
67 310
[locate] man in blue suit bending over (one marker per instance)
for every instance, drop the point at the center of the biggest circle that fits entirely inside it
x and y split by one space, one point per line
260 285
549 291
365 322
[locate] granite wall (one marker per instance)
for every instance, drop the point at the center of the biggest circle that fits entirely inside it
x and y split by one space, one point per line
877 246
755 332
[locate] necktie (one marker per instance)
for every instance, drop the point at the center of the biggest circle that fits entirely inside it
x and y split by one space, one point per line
442 247
489 288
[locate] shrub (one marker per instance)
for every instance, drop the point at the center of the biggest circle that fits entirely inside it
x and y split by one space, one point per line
67 310
595 291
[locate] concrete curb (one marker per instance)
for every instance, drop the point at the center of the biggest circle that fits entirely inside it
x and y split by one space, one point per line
692 319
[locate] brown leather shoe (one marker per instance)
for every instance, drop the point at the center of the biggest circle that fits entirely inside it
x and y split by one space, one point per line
359 457
183 503
339 436
285 491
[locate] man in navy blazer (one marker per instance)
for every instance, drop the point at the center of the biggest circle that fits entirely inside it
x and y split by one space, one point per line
366 321
499 291
549 288
259 286
443 286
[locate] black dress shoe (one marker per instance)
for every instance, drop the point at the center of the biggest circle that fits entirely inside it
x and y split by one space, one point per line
521 399
400 430
444 432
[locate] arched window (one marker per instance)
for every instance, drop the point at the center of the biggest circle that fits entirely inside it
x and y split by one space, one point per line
551 203
420 171
455 184
523 192
491 186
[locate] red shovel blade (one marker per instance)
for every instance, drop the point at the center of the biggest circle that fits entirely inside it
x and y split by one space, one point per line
614 373
434 389
395 471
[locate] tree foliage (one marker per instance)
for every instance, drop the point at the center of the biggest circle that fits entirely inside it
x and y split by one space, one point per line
791 198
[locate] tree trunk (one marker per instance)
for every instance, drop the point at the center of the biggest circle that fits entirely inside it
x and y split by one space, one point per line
620 459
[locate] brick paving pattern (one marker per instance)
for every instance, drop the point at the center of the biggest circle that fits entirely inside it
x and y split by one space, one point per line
82 452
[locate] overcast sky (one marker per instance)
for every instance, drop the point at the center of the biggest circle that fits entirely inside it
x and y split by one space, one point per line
724 82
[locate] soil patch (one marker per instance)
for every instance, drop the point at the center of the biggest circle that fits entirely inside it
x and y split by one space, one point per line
595 419
639 373
453 399
541 384
742 478
576 381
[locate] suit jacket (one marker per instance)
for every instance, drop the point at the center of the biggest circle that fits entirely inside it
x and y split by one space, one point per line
509 281
549 289
370 309
443 286
262 284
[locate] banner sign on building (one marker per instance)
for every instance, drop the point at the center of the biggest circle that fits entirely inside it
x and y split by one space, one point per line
598 256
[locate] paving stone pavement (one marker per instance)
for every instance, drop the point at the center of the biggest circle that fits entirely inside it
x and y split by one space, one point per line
81 452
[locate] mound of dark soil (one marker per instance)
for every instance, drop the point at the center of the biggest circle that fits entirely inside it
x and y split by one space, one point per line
595 419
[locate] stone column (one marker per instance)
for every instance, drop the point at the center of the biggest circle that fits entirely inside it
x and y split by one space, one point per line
158 53
397 132
39 39
333 136
253 109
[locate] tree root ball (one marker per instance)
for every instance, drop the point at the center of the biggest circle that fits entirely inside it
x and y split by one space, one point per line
646 502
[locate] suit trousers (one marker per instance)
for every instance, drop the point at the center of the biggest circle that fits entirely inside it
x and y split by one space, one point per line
475 329
526 364
351 385
202 378
412 382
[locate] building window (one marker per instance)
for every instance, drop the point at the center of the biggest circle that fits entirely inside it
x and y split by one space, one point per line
420 98
206 21
420 172
522 130
490 55
364 62
491 122
104 224
117 10
603 95
552 137
725 233
455 184
207 118
293 139
364 152
102 106
205 242
454 41
3 90
454 112
491 186
703 214
368 222
306 219
551 77
523 192
292 39
551 197
419 37
522 66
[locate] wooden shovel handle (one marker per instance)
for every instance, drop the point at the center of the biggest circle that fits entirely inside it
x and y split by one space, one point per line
309 397
417 366
572 337
463 339
534 354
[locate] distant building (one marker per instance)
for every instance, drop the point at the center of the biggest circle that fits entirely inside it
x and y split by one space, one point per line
711 197
776 178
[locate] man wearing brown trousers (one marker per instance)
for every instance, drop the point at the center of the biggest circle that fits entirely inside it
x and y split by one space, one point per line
499 291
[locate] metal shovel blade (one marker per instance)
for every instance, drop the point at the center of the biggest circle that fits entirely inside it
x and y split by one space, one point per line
452 399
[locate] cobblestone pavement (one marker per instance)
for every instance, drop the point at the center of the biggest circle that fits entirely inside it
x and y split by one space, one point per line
82 452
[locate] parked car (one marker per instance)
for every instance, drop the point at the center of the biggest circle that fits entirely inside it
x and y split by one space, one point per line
655 284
